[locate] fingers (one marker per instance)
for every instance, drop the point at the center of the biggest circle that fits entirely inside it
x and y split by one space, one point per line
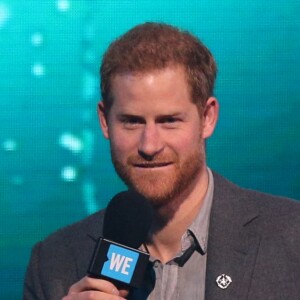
96 289
92 295
89 283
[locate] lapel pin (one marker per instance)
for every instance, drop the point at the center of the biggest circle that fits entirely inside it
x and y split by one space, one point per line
223 281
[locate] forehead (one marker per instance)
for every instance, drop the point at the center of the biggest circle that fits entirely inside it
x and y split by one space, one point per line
154 81
158 91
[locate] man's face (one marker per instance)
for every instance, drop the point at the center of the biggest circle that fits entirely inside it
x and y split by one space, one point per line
155 133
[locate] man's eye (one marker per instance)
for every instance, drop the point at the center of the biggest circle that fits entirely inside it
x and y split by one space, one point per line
131 122
168 120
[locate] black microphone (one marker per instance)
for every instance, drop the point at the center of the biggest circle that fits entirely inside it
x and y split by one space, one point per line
127 221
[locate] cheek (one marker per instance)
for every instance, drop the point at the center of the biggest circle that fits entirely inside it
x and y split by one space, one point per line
185 142
123 144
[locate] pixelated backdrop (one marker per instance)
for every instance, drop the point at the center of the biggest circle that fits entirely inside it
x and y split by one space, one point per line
55 164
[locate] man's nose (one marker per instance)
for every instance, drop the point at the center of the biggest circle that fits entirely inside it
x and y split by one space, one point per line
150 142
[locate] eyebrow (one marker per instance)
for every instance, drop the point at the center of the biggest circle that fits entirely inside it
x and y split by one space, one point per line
167 115
121 116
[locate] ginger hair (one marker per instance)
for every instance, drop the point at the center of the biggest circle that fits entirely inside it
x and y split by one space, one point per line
155 46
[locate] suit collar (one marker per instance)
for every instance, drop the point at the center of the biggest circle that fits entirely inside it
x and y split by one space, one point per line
233 240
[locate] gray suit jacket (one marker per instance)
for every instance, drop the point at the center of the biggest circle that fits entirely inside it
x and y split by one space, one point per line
253 237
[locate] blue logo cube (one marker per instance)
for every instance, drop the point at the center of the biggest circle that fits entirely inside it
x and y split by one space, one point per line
121 263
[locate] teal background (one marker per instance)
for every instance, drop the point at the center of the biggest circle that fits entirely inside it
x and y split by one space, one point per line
55 164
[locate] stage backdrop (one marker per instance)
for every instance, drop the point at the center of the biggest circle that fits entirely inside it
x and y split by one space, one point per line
55 164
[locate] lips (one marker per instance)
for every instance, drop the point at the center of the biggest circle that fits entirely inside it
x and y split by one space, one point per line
152 165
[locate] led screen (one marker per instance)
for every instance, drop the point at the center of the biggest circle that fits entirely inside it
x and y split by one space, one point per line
55 164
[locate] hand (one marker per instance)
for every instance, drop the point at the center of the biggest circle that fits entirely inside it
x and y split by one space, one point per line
96 289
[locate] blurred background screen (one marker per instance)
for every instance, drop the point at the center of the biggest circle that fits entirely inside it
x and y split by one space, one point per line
55 164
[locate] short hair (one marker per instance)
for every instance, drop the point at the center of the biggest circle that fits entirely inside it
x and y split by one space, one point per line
155 46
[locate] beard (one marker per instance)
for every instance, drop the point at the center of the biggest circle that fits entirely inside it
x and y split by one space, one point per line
160 186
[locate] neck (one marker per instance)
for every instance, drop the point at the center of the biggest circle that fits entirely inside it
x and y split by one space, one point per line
168 228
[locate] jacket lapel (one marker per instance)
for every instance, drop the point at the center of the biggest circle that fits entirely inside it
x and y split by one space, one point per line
233 242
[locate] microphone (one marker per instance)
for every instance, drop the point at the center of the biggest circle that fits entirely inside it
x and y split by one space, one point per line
127 221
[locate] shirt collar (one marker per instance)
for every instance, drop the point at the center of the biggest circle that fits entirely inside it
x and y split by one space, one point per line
197 233
199 228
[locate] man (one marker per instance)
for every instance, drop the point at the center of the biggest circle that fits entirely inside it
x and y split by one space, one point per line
209 239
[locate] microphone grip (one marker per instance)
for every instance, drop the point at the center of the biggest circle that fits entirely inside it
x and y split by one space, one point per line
118 264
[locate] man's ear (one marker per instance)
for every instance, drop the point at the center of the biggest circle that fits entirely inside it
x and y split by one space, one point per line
103 119
210 117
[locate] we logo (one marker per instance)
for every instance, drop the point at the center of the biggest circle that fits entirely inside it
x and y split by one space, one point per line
121 263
